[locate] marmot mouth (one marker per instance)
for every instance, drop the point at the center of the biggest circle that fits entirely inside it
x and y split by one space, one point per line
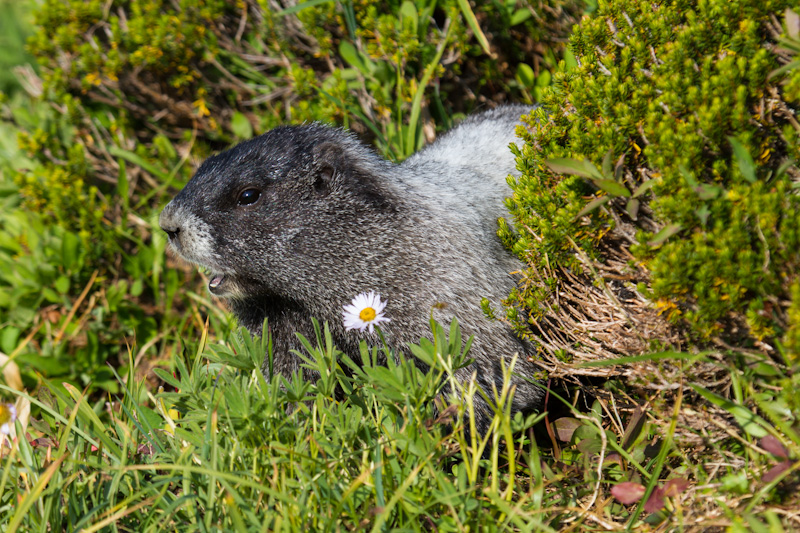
215 284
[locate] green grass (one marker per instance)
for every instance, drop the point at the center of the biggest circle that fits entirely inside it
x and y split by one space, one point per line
219 447
218 451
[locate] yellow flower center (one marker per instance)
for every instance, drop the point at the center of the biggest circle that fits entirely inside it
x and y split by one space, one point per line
367 314
5 414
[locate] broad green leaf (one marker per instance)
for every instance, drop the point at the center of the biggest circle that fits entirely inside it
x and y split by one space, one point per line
612 187
745 160
665 233
543 79
525 75
565 427
62 284
632 208
520 16
240 126
591 206
634 428
643 188
167 377
570 62
353 57
70 250
408 12
565 165
606 167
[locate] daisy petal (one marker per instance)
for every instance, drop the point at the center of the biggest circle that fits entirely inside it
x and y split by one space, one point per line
365 311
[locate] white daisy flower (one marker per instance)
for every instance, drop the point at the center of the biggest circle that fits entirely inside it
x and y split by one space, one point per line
8 413
365 312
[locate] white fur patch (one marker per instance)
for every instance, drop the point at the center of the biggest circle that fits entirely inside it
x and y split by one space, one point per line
195 241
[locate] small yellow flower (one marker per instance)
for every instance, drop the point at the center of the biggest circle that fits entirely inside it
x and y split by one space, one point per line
8 413
202 108
366 311
93 78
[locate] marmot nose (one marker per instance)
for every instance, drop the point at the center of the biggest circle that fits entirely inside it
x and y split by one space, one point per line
172 233
169 224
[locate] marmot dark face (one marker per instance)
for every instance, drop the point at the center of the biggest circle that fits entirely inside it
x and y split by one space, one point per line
260 216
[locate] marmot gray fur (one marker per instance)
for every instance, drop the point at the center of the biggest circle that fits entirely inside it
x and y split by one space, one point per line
295 223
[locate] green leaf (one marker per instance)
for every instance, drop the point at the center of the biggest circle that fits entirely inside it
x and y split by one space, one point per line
240 126
634 428
525 75
708 192
785 165
591 206
62 284
606 167
643 188
352 56
612 187
136 159
745 160
632 208
750 422
520 16
565 165
469 16
688 176
50 366
703 190
8 338
70 250
90 418
702 214
416 102
168 378
570 62
408 12
665 233
123 188
544 78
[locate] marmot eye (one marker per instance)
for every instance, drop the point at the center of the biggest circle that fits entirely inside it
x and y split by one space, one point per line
249 196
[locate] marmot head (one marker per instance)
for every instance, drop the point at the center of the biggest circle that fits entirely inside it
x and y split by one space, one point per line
282 212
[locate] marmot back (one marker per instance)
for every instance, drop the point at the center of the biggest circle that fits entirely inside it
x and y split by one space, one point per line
296 222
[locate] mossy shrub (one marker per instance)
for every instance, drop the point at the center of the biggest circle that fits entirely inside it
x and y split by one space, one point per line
689 95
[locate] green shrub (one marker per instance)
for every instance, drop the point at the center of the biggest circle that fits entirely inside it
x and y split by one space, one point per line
682 92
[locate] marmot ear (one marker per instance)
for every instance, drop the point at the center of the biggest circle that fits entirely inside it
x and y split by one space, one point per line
329 160
335 168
